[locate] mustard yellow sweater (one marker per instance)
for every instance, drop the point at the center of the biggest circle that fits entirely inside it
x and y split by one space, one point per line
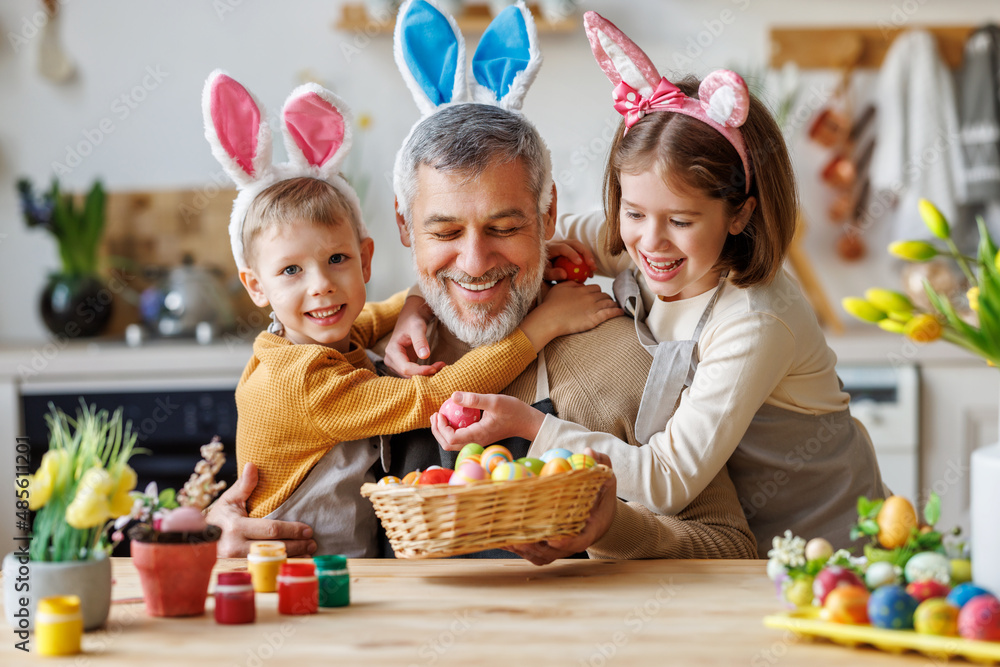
295 402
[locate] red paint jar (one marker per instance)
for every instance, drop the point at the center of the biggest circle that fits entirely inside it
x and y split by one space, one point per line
298 588
234 602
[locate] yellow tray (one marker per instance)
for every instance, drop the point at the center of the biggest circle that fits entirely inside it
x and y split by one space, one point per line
806 622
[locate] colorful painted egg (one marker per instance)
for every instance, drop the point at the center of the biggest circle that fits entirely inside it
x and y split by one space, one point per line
964 592
582 461
818 549
799 591
467 451
831 577
555 467
411 477
928 565
458 416
961 571
508 470
558 453
891 608
534 465
882 573
576 272
980 619
936 617
389 480
927 589
469 472
435 476
493 456
896 521
846 604
183 520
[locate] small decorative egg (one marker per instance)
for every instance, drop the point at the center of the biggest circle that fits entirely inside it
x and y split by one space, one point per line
494 455
183 520
435 476
469 472
509 471
936 616
882 573
433 468
891 608
389 480
582 461
467 451
831 577
896 521
846 604
980 619
555 467
964 592
927 589
928 565
411 477
818 549
961 571
534 465
799 592
558 453
458 416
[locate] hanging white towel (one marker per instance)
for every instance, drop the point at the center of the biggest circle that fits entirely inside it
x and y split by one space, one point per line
918 142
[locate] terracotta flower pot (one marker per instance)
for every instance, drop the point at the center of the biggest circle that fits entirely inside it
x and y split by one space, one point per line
174 577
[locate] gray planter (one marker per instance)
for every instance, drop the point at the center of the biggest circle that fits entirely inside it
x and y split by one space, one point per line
30 581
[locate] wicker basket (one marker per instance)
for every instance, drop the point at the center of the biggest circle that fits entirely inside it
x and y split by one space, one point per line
442 520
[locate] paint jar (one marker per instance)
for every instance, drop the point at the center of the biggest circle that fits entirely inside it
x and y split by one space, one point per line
59 625
334 582
264 562
234 603
298 588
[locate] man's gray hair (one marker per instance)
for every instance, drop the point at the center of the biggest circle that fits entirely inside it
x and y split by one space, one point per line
467 139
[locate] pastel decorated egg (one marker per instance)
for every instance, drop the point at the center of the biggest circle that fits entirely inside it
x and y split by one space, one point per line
831 577
891 608
961 571
467 451
936 617
534 465
927 589
582 461
389 480
435 476
469 472
493 456
558 453
818 549
555 467
506 471
799 591
964 592
411 477
928 565
846 604
183 520
980 619
882 573
458 416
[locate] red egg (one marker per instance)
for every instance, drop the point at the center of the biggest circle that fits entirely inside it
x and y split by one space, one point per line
576 272
831 577
980 619
927 589
435 476
458 416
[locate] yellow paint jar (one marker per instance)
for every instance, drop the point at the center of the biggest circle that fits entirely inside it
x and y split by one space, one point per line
264 562
59 625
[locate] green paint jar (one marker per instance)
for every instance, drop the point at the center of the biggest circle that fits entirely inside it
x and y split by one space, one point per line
334 582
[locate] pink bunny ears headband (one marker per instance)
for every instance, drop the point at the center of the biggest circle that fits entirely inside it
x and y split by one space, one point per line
317 132
639 89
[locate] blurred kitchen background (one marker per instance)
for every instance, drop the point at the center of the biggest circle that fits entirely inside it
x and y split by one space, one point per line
110 90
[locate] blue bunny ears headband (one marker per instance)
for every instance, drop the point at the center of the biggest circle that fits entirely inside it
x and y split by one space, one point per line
430 53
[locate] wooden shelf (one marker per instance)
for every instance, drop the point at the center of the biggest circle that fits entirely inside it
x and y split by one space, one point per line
475 18
863 46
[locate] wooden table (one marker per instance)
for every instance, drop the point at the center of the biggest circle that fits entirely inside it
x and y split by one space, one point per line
483 612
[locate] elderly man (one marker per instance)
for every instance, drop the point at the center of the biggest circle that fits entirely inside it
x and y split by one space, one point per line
470 208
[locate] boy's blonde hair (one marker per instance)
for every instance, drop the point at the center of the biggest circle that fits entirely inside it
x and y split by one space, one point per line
299 198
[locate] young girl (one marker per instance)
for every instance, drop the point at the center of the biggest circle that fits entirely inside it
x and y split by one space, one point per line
699 193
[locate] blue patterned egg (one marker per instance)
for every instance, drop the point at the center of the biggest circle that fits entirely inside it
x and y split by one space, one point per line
964 592
559 453
891 608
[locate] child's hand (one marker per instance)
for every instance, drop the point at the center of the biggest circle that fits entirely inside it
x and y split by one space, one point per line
574 251
409 341
568 308
503 417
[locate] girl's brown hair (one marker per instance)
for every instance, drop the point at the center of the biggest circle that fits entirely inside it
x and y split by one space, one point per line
691 153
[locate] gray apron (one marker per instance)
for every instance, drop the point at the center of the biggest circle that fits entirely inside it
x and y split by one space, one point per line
792 471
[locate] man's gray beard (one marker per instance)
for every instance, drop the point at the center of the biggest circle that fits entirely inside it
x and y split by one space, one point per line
481 328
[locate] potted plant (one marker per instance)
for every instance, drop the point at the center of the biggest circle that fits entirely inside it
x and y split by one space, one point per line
72 302
83 481
173 548
971 321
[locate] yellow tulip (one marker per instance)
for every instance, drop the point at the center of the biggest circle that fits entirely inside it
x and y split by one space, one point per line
862 310
913 251
888 300
973 296
39 489
121 501
923 328
892 326
88 510
901 317
933 219
98 481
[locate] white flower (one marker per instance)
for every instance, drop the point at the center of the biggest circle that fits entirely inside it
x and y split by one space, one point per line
788 550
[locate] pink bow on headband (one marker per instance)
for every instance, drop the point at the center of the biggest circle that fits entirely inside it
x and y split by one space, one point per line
632 105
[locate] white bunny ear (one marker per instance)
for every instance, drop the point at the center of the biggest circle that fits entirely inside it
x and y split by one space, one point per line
619 56
430 53
507 59
236 128
725 98
317 128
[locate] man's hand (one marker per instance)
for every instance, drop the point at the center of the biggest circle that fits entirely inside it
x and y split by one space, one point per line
503 417
229 513
601 517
